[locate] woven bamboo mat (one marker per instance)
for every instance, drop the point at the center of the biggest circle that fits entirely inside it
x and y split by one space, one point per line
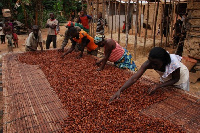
30 104
181 109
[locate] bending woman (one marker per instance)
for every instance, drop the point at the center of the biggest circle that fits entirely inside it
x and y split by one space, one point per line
115 53
169 67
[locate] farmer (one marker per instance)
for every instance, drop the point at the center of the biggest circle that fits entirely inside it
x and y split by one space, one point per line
168 66
52 25
7 29
67 35
2 35
84 20
100 25
114 53
83 40
34 39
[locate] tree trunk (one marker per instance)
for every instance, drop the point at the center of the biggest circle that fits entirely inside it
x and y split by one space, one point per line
154 34
153 19
119 21
140 27
136 30
112 20
115 16
127 23
146 27
108 16
172 19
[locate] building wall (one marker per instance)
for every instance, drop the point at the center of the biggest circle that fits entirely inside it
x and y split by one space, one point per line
192 41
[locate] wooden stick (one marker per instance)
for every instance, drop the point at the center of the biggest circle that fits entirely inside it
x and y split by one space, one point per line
162 23
112 20
146 27
167 28
140 20
127 23
108 16
92 30
153 19
154 34
115 16
119 21
136 30
172 19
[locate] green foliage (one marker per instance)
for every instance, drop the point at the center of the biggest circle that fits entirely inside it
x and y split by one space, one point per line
28 8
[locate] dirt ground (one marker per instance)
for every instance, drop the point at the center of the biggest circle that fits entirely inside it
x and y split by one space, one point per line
140 55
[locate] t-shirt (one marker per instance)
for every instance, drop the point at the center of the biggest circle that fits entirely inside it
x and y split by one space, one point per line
1 31
32 41
169 69
100 26
91 45
50 30
67 36
85 21
116 53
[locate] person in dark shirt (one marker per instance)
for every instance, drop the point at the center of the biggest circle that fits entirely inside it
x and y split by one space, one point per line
84 20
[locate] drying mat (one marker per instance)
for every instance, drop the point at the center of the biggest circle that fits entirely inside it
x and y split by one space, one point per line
30 105
180 109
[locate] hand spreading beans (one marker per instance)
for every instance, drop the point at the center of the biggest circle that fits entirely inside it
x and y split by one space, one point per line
85 92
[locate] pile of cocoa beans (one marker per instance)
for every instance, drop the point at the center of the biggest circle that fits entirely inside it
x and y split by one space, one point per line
85 93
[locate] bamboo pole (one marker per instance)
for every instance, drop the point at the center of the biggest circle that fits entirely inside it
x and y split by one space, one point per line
112 20
119 21
136 30
167 28
92 30
146 27
162 23
154 34
153 19
172 19
103 15
115 16
140 19
132 19
127 23
108 16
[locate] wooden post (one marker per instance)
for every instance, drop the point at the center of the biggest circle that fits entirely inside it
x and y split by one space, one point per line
119 21
136 30
127 23
167 28
132 17
112 20
154 34
92 30
115 16
108 16
153 19
140 20
162 23
172 19
146 27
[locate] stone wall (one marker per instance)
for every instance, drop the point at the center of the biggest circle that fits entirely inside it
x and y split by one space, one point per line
192 41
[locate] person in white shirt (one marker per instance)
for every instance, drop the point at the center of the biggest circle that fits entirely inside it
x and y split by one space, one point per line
52 32
34 39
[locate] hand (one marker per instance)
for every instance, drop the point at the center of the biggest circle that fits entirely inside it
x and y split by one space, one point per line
115 96
61 50
98 63
62 56
78 57
151 90
99 69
